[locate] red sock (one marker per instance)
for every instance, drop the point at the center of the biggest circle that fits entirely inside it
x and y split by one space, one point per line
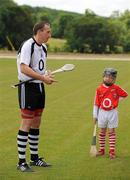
112 141
102 136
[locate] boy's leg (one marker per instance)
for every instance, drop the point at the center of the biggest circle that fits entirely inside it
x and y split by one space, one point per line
102 124
112 141
112 124
102 136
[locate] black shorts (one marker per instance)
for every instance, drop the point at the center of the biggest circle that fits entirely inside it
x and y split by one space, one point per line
31 96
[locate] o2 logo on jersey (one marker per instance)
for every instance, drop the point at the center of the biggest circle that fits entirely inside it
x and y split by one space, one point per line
107 103
41 65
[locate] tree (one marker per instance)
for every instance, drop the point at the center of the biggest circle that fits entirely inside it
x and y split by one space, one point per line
96 34
64 21
7 3
4 4
88 35
17 25
116 31
126 45
89 13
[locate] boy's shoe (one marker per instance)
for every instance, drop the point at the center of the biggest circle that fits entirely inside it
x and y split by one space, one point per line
39 162
24 167
100 152
112 154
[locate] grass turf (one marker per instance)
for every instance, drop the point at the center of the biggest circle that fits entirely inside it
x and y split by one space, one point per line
67 126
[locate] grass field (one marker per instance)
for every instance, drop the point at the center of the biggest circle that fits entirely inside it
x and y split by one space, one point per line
67 125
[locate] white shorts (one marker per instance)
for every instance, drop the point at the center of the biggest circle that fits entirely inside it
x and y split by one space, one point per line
108 119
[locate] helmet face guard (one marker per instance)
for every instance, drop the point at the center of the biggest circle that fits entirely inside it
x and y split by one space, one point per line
110 72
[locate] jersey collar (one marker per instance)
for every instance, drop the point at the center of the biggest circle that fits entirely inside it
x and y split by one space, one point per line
36 42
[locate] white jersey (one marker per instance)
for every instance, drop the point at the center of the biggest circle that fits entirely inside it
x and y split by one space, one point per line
33 55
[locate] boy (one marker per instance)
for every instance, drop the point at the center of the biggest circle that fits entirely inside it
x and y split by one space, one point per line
105 110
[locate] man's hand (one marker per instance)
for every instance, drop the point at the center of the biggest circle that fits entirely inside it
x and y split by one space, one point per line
48 79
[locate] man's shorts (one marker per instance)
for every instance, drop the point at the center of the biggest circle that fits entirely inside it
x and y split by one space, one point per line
108 119
31 96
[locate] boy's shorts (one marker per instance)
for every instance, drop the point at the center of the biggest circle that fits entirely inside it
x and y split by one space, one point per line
108 119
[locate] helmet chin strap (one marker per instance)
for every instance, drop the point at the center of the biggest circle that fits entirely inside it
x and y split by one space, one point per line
107 84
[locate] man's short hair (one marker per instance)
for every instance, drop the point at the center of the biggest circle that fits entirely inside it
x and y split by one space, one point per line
39 25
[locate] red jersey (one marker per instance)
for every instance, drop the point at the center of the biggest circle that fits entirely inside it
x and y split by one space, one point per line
107 97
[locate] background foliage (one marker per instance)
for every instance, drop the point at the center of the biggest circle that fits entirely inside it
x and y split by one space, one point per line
85 33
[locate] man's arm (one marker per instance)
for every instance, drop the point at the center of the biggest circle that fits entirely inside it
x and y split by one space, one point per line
25 69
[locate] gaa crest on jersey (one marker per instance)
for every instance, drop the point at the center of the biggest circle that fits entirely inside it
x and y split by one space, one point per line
115 96
107 103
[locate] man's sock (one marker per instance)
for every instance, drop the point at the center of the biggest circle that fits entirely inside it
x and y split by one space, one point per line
33 139
22 139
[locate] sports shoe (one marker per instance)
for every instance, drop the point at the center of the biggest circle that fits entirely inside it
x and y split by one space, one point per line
39 162
112 154
24 167
100 152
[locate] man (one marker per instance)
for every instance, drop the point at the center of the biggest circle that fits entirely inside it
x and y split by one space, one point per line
31 63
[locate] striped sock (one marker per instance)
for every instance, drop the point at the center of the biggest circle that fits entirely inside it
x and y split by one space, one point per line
33 139
102 136
112 141
22 139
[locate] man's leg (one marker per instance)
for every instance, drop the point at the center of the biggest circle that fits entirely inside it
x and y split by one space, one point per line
34 140
34 134
22 139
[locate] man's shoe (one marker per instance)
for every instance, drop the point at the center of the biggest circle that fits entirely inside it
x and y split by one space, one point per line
24 167
39 162
100 153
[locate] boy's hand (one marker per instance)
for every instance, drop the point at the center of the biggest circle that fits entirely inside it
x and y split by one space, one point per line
95 120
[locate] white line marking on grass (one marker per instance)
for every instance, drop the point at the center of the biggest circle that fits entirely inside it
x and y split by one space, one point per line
91 57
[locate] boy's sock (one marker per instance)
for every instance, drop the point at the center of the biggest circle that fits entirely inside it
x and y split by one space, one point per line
102 136
112 141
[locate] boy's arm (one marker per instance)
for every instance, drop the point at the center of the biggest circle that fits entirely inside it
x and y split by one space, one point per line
95 113
96 107
121 98
122 93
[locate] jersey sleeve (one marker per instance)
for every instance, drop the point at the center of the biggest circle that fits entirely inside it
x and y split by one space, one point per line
97 99
25 55
121 92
